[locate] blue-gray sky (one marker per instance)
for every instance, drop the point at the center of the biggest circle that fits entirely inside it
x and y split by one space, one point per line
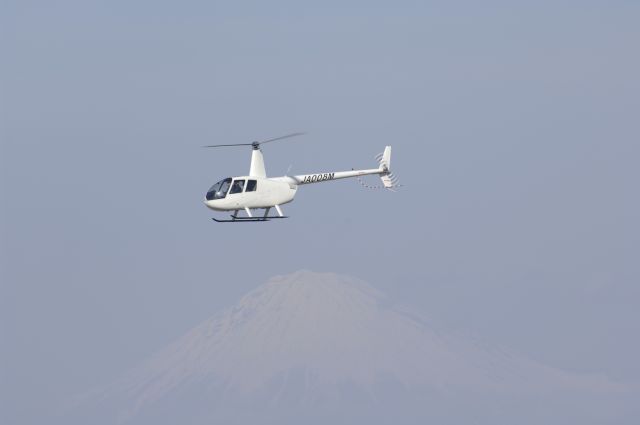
514 129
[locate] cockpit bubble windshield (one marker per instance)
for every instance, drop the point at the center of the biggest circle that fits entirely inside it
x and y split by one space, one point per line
219 190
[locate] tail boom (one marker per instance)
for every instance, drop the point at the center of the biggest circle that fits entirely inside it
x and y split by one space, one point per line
323 177
384 159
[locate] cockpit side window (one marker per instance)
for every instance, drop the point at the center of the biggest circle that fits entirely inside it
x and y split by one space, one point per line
237 187
224 188
251 185
219 190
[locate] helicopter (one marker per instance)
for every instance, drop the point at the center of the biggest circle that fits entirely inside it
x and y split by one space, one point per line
256 191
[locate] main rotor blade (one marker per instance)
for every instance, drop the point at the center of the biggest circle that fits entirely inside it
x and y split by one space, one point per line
281 137
234 144
255 143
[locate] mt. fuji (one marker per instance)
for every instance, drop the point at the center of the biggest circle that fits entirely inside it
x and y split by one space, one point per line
319 347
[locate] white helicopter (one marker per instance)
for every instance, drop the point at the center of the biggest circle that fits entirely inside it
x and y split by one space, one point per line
257 191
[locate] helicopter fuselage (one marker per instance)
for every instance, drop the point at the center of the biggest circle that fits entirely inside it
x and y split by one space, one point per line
256 190
249 192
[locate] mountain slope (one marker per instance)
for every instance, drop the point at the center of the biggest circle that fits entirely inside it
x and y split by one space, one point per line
314 343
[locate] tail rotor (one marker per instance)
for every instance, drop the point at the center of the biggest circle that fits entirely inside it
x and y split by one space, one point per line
389 180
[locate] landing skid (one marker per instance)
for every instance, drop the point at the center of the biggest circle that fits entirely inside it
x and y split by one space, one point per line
265 217
236 219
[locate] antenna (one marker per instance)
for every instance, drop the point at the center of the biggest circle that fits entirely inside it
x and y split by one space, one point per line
256 145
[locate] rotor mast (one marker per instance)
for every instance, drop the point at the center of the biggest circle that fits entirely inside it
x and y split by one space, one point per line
257 162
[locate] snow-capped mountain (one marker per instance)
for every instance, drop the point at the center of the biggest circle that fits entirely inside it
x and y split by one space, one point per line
326 347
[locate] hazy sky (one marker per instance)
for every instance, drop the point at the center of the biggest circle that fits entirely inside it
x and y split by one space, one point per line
515 129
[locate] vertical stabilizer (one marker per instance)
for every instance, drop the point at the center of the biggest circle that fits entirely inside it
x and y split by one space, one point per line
389 180
386 158
257 164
